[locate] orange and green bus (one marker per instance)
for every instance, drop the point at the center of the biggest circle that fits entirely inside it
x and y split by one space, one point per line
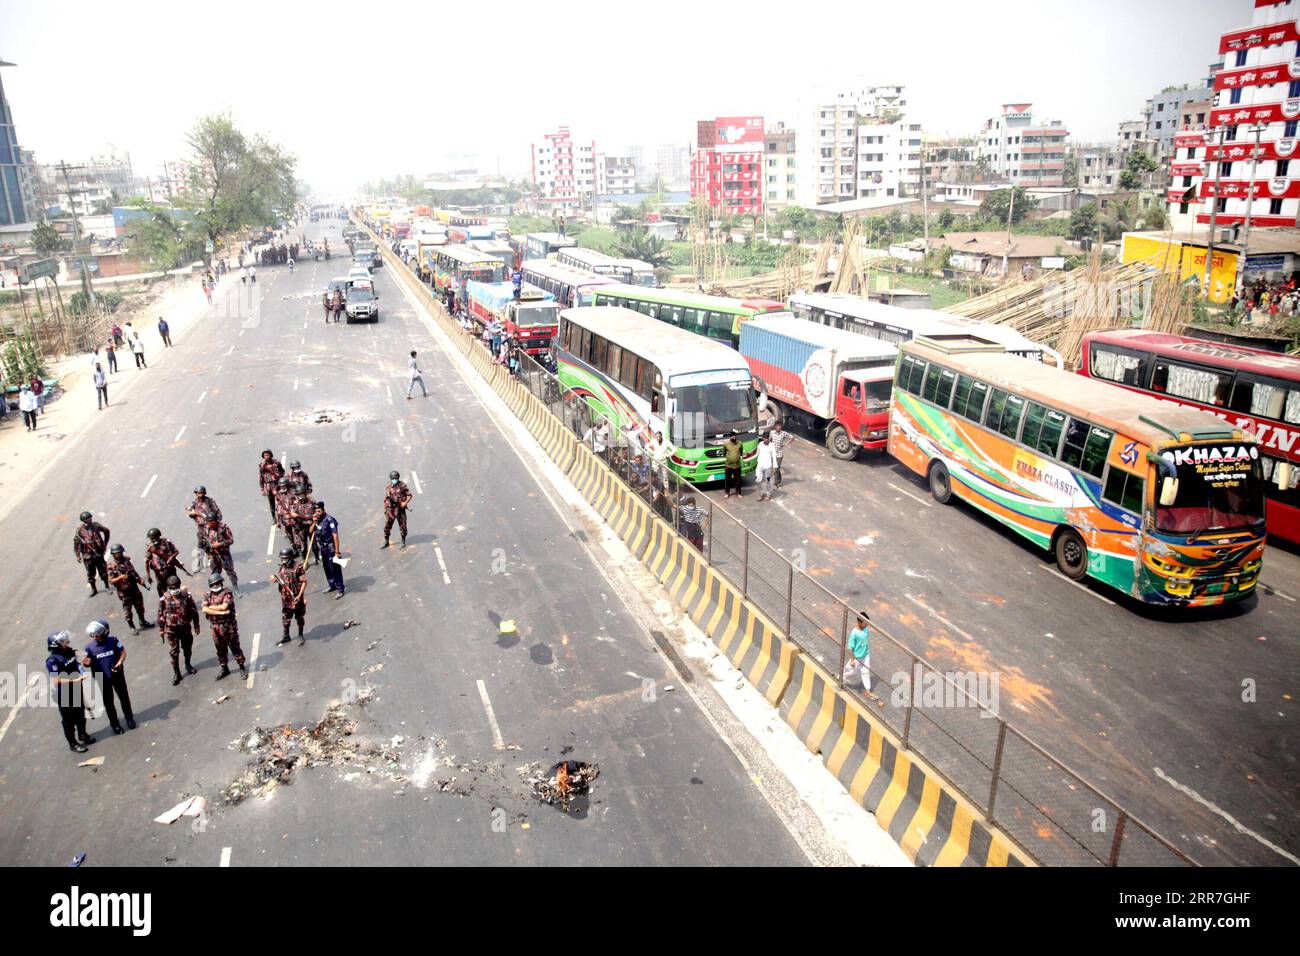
1162 502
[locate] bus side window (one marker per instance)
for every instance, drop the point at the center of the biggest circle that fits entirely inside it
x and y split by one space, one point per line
720 324
691 320
585 347
611 366
671 313
997 403
643 307
1125 490
938 385
598 353
627 374
911 373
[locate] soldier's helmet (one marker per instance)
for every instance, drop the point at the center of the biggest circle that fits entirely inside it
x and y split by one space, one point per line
214 580
300 487
282 483
286 554
200 490
173 582
153 534
394 475
85 516
117 549
97 628
57 638
295 465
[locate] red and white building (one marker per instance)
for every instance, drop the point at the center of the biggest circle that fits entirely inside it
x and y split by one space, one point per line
1022 151
564 170
1246 156
727 164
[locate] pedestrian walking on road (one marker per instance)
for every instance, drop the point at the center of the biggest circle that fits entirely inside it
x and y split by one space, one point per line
88 545
859 664
106 658
116 334
165 331
732 452
38 389
693 521
219 609
178 620
27 405
69 682
243 272
110 352
413 367
101 386
397 498
325 535
269 473
765 465
252 274
126 580
137 349
780 439
292 582
327 303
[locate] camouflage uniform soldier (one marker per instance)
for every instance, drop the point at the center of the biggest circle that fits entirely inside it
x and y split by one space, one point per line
297 476
219 541
292 580
178 618
162 560
396 498
300 508
88 544
269 472
201 509
282 492
219 608
126 579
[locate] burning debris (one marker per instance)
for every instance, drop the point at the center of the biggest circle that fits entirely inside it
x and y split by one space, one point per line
568 781
283 751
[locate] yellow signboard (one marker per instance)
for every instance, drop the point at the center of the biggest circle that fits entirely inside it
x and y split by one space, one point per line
1184 261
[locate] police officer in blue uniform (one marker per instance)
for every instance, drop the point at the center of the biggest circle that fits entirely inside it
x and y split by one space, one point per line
68 687
325 534
106 658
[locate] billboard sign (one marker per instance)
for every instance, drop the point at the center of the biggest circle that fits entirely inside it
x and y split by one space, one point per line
739 130
39 269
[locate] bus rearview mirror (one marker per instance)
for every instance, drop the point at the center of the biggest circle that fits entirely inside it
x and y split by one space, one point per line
1284 474
1168 491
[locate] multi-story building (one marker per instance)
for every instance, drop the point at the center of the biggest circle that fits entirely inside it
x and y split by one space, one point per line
727 165
950 160
14 206
1132 135
1097 166
1242 163
665 166
856 143
1024 152
564 170
780 165
615 176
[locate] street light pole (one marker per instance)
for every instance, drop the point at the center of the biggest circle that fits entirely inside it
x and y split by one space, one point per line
1214 216
1250 203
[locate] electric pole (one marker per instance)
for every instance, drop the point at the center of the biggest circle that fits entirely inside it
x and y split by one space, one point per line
1250 202
1214 214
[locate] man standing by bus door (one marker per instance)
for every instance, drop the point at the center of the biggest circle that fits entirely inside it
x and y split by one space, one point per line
731 464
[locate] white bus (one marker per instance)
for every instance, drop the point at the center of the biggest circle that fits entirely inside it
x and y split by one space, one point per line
896 326
571 287
630 271
633 369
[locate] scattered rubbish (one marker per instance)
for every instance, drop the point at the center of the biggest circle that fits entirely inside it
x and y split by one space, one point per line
568 780
372 668
349 624
92 762
371 646
507 627
77 860
222 699
189 807
668 687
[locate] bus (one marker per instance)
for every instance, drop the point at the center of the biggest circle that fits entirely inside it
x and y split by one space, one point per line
571 287
1162 502
631 369
532 319
630 271
497 248
455 265
1252 389
539 245
712 316
896 325
467 234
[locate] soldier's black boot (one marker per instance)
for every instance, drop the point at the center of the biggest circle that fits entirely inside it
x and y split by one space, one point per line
77 748
301 639
225 672
283 640
93 590
386 544
243 672
189 668
176 676
86 739
403 541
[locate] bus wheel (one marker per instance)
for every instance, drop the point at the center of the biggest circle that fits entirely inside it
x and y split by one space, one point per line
940 483
776 412
839 443
1072 555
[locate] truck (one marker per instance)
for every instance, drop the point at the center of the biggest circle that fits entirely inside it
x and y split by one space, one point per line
829 380
532 320
423 243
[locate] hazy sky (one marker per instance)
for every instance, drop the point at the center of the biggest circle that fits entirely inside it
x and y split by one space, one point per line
360 90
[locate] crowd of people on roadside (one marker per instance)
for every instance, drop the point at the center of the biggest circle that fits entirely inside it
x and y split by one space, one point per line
1263 300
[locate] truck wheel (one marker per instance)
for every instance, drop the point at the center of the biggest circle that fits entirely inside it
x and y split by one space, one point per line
776 411
1072 555
839 443
940 483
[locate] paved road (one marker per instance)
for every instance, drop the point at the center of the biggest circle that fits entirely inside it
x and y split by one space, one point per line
569 683
1144 703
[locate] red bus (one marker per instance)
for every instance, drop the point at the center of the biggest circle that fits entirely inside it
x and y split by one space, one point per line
1252 389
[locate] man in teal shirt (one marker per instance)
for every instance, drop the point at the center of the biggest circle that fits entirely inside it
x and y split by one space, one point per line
860 653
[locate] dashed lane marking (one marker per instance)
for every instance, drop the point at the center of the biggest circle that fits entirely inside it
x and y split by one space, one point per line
225 856
1086 590
415 480
497 740
230 350
22 700
179 434
270 541
148 486
1269 589
446 578
389 392
202 397
400 430
252 660
904 491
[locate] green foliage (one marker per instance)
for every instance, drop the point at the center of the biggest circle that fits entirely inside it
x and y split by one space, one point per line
639 244
995 206
79 303
1083 221
46 240
1137 170
22 360
164 239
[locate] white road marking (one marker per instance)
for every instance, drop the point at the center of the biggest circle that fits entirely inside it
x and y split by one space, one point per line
446 578
1214 808
295 385
225 856
252 660
303 340
148 486
22 700
202 397
179 434
941 619
1269 589
229 350
415 480
389 392
400 430
497 741
241 331
299 359
904 491
270 541
1087 590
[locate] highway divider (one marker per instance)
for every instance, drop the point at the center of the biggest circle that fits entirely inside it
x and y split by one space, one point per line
929 818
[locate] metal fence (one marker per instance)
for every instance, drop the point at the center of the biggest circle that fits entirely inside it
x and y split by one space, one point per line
1052 811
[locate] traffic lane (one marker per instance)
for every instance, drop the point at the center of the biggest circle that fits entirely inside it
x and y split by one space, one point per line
859 525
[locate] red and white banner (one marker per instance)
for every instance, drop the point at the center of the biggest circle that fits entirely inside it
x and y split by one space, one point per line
1269 3
1258 36
1269 149
1222 219
1185 194
1186 169
1288 109
1257 75
1189 140
1277 188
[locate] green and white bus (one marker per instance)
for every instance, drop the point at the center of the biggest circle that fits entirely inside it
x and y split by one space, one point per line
631 369
713 316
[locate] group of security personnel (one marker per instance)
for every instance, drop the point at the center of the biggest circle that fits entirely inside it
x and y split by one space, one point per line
179 617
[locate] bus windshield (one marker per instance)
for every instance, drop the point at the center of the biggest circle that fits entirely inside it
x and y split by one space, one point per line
1219 489
712 410
534 315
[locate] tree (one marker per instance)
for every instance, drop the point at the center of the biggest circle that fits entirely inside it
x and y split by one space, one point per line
46 240
1121 217
1137 170
163 237
994 207
1071 173
1154 214
1083 222
639 244
236 181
